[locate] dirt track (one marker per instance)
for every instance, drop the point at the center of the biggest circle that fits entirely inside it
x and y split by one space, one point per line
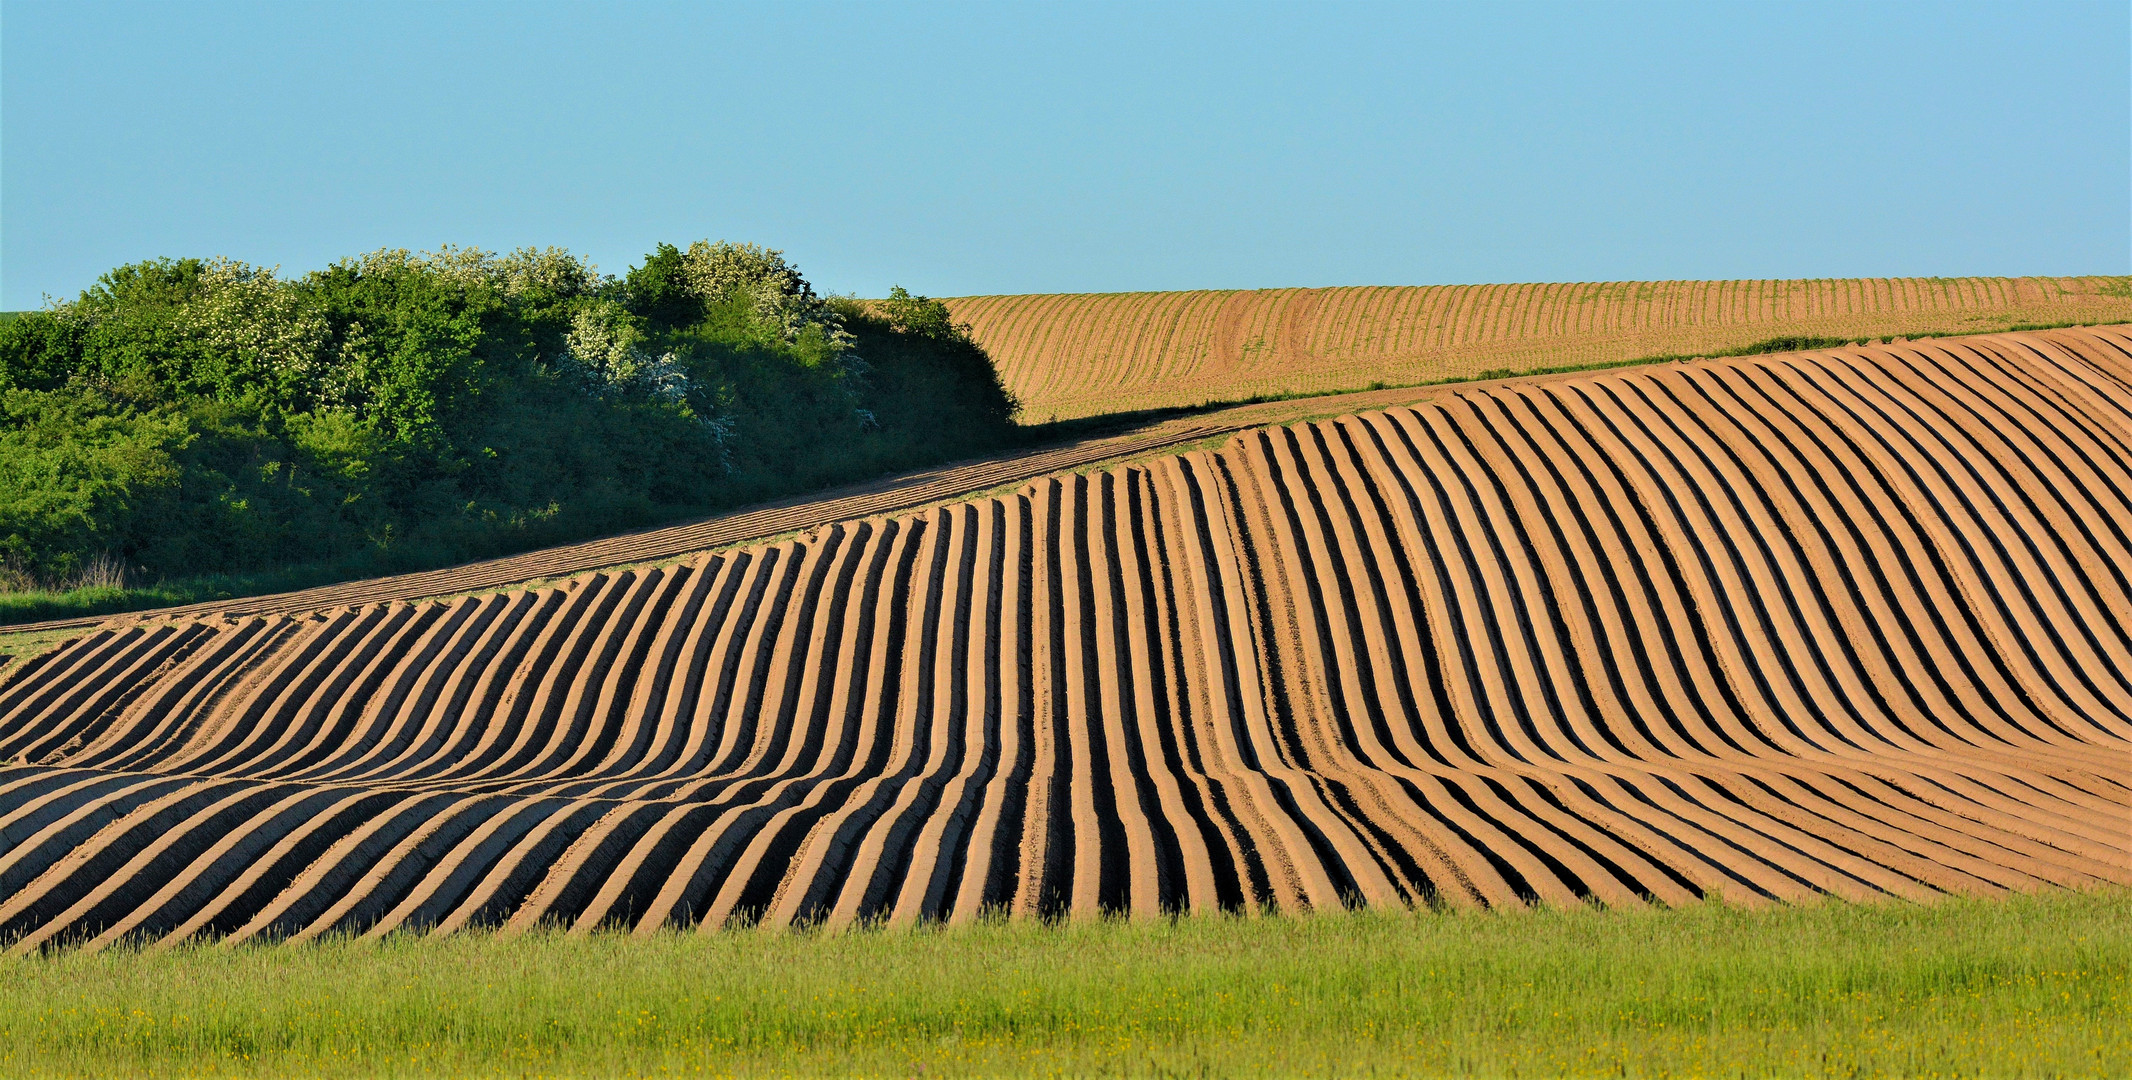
1853 623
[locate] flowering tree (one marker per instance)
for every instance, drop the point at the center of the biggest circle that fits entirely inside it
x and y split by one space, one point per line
399 409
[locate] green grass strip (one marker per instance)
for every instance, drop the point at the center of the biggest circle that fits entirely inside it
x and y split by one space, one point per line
2032 986
15 648
37 605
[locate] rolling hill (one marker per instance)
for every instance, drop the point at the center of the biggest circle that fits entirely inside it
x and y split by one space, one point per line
1852 622
1082 354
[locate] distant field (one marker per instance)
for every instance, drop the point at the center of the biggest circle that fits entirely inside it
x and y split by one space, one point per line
2026 986
1075 355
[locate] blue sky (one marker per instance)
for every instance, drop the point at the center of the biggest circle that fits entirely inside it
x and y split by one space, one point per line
958 149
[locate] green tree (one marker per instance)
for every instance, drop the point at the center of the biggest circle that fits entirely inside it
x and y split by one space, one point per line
399 410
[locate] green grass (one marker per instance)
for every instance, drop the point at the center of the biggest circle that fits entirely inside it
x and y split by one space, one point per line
36 605
15 648
2034 986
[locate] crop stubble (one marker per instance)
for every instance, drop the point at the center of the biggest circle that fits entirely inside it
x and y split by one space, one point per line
1851 622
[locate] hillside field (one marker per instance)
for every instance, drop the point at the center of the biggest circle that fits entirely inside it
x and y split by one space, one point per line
1072 355
1844 623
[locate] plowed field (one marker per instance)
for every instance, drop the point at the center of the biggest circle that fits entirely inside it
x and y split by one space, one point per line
1850 622
1077 355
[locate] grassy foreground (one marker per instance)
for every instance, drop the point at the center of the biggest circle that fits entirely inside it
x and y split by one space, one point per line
2034 986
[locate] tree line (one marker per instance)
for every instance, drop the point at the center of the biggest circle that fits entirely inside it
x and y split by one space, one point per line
397 411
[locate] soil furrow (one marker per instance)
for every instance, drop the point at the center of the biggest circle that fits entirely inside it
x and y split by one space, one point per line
1854 622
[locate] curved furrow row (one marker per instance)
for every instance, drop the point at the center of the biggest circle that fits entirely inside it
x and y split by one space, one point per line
1853 623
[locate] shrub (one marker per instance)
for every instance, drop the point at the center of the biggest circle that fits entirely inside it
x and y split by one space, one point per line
396 410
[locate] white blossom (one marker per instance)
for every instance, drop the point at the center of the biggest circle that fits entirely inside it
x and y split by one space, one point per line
604 351
245 313
552 269
779 297
247 318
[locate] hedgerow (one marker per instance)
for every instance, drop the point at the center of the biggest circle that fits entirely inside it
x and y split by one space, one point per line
398 410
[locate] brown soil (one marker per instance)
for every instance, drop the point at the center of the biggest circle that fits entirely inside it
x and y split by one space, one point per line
1854 622
1082 355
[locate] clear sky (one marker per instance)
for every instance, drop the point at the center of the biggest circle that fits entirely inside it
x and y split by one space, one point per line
994 148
